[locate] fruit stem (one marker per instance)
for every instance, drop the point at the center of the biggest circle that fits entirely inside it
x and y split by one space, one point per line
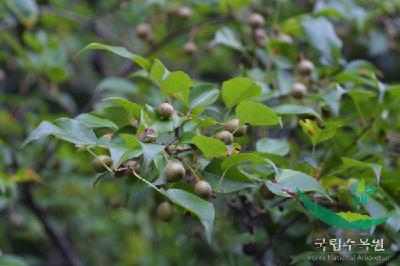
148 183
94 154
195 176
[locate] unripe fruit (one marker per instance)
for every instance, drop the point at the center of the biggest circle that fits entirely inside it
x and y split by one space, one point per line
260 37
305 67
143 30
133 166
190 48
202 189
266 193
282 37
184 12
165 110
298 90
2 74
98 163
234 127
256 20
225 136
165 211
174 171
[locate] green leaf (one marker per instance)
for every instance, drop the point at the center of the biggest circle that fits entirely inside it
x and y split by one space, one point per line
121 51
288 109
243 157
344 220
26 11
201 208
273 146
332 98
351 216
66 129
227 37
117 84
210 147
239 89
256 114
158 71
175 82
203 95
95 122
239 158
290 181
350 163
131 107
150 151
322 36
317 134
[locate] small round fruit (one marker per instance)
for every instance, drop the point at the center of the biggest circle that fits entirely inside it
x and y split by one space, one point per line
260 37
266 193
174 171
143 30
190 48
133 166
165 110
184 12
2 74
256 20
98 163
202 189
165 211
305 67
282 37
234 127
225 136
298 90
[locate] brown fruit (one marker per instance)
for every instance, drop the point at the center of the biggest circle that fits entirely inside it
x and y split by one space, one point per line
260 37
190 48
143 30
225 136
165 211
305 67
266 193
165 110
202 189
256 20
98 163
174 171
282 37
2 74
234 127
184 12
298 90
133 166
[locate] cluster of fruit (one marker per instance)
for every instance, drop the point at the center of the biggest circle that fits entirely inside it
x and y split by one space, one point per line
174 171
144 30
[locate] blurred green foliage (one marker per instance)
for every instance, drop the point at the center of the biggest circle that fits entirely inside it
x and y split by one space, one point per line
344 129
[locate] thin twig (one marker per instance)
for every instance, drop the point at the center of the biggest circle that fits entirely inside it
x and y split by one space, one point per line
59 241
